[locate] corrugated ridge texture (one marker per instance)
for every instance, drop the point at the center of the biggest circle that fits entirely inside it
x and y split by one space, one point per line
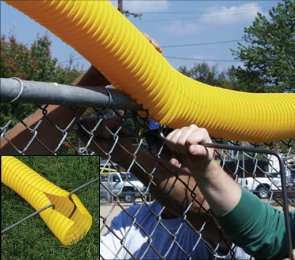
116 48
69 220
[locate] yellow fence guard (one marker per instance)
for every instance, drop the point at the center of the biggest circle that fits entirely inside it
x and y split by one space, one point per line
69 220
115 47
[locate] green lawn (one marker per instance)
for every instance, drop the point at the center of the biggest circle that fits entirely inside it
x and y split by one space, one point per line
33 239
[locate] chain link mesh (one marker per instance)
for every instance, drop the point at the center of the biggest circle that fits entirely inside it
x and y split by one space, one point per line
126 144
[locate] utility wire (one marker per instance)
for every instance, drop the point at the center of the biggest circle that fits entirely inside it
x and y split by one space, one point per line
195 59
193 17
171 46
175 58
74 59
197 12
179 58
190 12
214 0
198 44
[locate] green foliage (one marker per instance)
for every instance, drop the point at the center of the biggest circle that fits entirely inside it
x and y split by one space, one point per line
32 239
33 62
206 74
269 52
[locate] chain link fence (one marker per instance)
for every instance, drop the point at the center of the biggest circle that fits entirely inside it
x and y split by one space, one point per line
135 173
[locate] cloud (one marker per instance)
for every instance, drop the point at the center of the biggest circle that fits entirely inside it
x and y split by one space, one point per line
143 5
230 15
215 16
181 28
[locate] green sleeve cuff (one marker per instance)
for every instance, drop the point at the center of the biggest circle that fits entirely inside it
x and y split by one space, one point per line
241 214
256 227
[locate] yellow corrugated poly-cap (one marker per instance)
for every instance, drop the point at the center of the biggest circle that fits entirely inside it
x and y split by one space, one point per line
68 219
116 48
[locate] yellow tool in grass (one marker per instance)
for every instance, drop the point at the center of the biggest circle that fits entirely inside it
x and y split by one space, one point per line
68 219
122 53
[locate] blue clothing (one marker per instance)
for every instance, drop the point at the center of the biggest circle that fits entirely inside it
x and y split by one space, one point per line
148 236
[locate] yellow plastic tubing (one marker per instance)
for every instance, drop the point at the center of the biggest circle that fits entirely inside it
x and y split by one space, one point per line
116 48
69 220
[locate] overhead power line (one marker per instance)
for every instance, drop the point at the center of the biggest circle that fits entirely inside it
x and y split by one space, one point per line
170 46
67 61
215 0
198 44
195 17
263 4
198 12
169 57
176 58
195 59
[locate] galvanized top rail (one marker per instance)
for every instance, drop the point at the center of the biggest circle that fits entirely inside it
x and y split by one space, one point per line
16 90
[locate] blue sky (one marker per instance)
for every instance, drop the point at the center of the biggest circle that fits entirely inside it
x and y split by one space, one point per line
201 26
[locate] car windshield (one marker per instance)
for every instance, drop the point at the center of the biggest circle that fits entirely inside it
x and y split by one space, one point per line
103 178
273 174
291 177
130 176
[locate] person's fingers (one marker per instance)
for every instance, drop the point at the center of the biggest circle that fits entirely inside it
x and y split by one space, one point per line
175 162
153 42
197 135
172 138
195 142
200 151
188 134
183 141
189 140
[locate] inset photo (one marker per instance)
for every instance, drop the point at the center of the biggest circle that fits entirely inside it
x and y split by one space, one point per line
49 207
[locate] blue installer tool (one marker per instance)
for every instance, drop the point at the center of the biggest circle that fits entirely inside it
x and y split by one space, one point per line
156 145
153 125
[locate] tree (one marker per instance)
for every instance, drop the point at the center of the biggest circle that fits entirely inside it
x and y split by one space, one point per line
33 62
206 74
269 52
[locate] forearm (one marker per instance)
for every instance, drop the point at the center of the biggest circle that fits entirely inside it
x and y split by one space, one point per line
220 190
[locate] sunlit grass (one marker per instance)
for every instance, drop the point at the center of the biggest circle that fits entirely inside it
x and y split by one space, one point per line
33 239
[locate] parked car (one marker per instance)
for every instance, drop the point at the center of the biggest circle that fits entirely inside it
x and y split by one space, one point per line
262 177
254 176
123 185
262 186
290 188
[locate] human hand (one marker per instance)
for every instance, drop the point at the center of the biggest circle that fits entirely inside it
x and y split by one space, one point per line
153 42
187 143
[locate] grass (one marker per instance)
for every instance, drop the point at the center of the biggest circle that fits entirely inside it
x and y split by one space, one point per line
33 239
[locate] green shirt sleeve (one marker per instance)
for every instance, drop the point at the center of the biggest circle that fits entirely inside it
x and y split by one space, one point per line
257 227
